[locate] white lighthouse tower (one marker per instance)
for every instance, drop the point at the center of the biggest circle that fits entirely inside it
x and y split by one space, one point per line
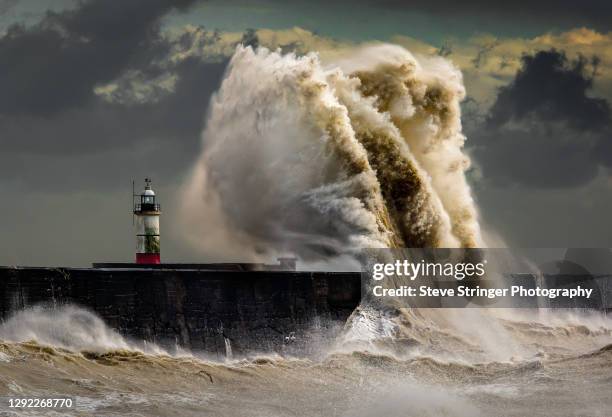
147 213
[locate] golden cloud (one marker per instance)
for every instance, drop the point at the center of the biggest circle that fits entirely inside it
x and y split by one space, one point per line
487 62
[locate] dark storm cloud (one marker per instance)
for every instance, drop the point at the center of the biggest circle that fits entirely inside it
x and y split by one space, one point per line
48 107
595 13
160 139
544 130
55 64
552 89
100 125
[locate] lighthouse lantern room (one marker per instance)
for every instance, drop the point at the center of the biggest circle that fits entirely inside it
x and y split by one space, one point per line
147 211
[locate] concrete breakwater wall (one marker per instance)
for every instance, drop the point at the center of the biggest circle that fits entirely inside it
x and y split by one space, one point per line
206 310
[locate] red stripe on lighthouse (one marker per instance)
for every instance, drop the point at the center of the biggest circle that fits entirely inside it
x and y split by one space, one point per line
147 258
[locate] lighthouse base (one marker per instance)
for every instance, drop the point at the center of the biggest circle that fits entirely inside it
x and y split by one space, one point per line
147 258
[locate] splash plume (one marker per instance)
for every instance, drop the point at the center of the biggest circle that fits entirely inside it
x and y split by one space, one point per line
322 159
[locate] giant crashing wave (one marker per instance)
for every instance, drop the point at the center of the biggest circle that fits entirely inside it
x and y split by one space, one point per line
320 160
323 159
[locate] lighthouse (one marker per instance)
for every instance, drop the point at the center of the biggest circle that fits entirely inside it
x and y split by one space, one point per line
147 212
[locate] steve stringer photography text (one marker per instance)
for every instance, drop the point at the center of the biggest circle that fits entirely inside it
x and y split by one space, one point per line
433 271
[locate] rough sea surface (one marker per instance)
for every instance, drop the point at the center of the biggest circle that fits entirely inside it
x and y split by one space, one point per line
422 363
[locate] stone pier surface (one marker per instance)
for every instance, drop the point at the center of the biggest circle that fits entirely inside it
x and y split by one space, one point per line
198 309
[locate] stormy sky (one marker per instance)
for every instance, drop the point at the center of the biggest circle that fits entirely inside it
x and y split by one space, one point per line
94 94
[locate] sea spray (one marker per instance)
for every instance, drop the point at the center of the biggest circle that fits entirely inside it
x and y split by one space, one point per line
228 349
68 327
320 160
